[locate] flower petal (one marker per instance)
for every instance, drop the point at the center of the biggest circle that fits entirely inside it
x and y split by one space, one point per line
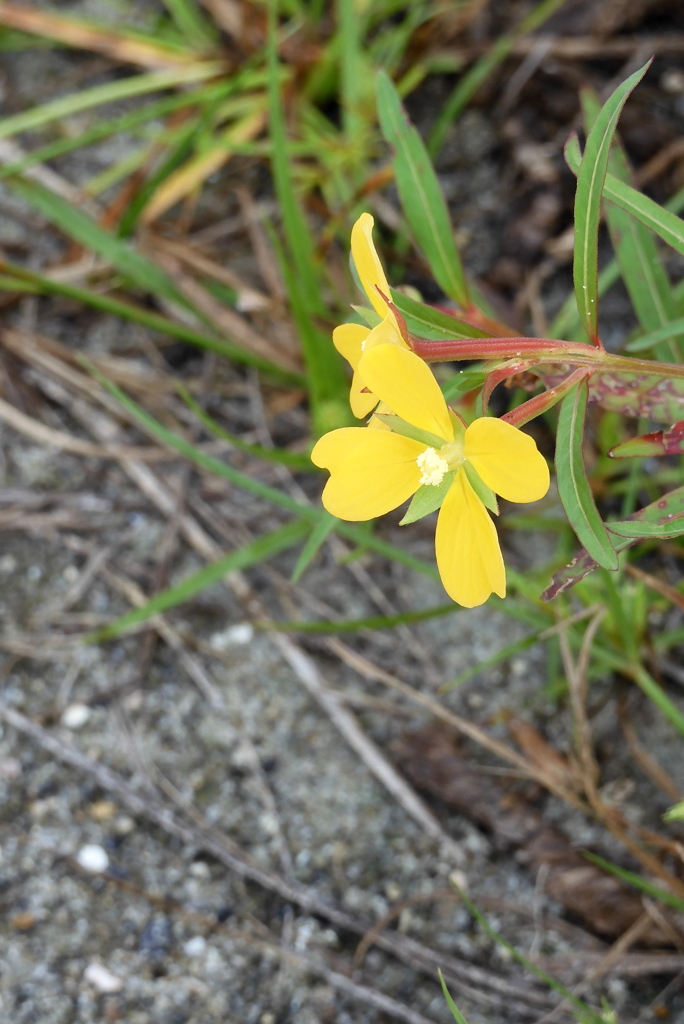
371 471
506 459
468 553
386 333
348 339
361 400
367 263
406 384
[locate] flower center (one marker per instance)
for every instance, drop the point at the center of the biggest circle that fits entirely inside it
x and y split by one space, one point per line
432 466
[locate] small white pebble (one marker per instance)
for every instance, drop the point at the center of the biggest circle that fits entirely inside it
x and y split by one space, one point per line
195 946
123 825
8 564
93 858
34 573
10 768
75 716
70 574
199 869
235 636
101 978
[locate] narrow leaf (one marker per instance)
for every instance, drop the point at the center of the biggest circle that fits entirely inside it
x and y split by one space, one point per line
427 322
321 531
647 531
669 506
637 882
83 229
573 485
455 1012
420 194
660 442
256 551
639 260
427 499
590 180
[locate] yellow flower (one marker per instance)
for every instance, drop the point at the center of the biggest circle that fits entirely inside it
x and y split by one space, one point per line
375 471
351 340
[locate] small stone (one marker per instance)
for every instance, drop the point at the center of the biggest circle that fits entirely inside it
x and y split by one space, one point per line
102 810
93 858
75 716
200 869
34 573
8 565
123 826
235 636
195 946
102 979
267 1018
23 921
10 768
70 574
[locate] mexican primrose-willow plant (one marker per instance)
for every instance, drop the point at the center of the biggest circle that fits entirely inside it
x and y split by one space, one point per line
423 449
414 445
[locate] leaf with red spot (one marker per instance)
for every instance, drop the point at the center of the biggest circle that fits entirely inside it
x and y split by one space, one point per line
660 442
666 512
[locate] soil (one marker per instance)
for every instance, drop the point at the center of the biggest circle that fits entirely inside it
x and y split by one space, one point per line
109 915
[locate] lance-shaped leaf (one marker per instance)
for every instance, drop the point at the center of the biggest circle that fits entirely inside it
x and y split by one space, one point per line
667 509
640 264
659 219
590 180
427 322
573 485
421 198
660 442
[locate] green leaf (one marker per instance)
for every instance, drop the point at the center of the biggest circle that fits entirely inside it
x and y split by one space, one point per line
427 499
590 180
292 459
121 88
321 531
193 26
675 813
651 340
639 260
637 882
327 379
647 531
37 284
420 194
256 551
463 382
354 625
369 315
484 493
455 1012
427 322
665 224
668 506
83 229
573 485
400 426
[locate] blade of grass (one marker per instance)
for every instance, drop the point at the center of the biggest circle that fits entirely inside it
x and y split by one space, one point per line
482 69
573 485
636 881
256 551
639 260
83 229
355 625
586 1011
657 695
110 92
590 181
126 47
321 531
350 24
37 284
192 25
455 1012
503 655
327 381
256 487
421 197
291 459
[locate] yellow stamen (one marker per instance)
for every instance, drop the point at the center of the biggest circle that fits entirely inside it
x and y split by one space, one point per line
432 467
